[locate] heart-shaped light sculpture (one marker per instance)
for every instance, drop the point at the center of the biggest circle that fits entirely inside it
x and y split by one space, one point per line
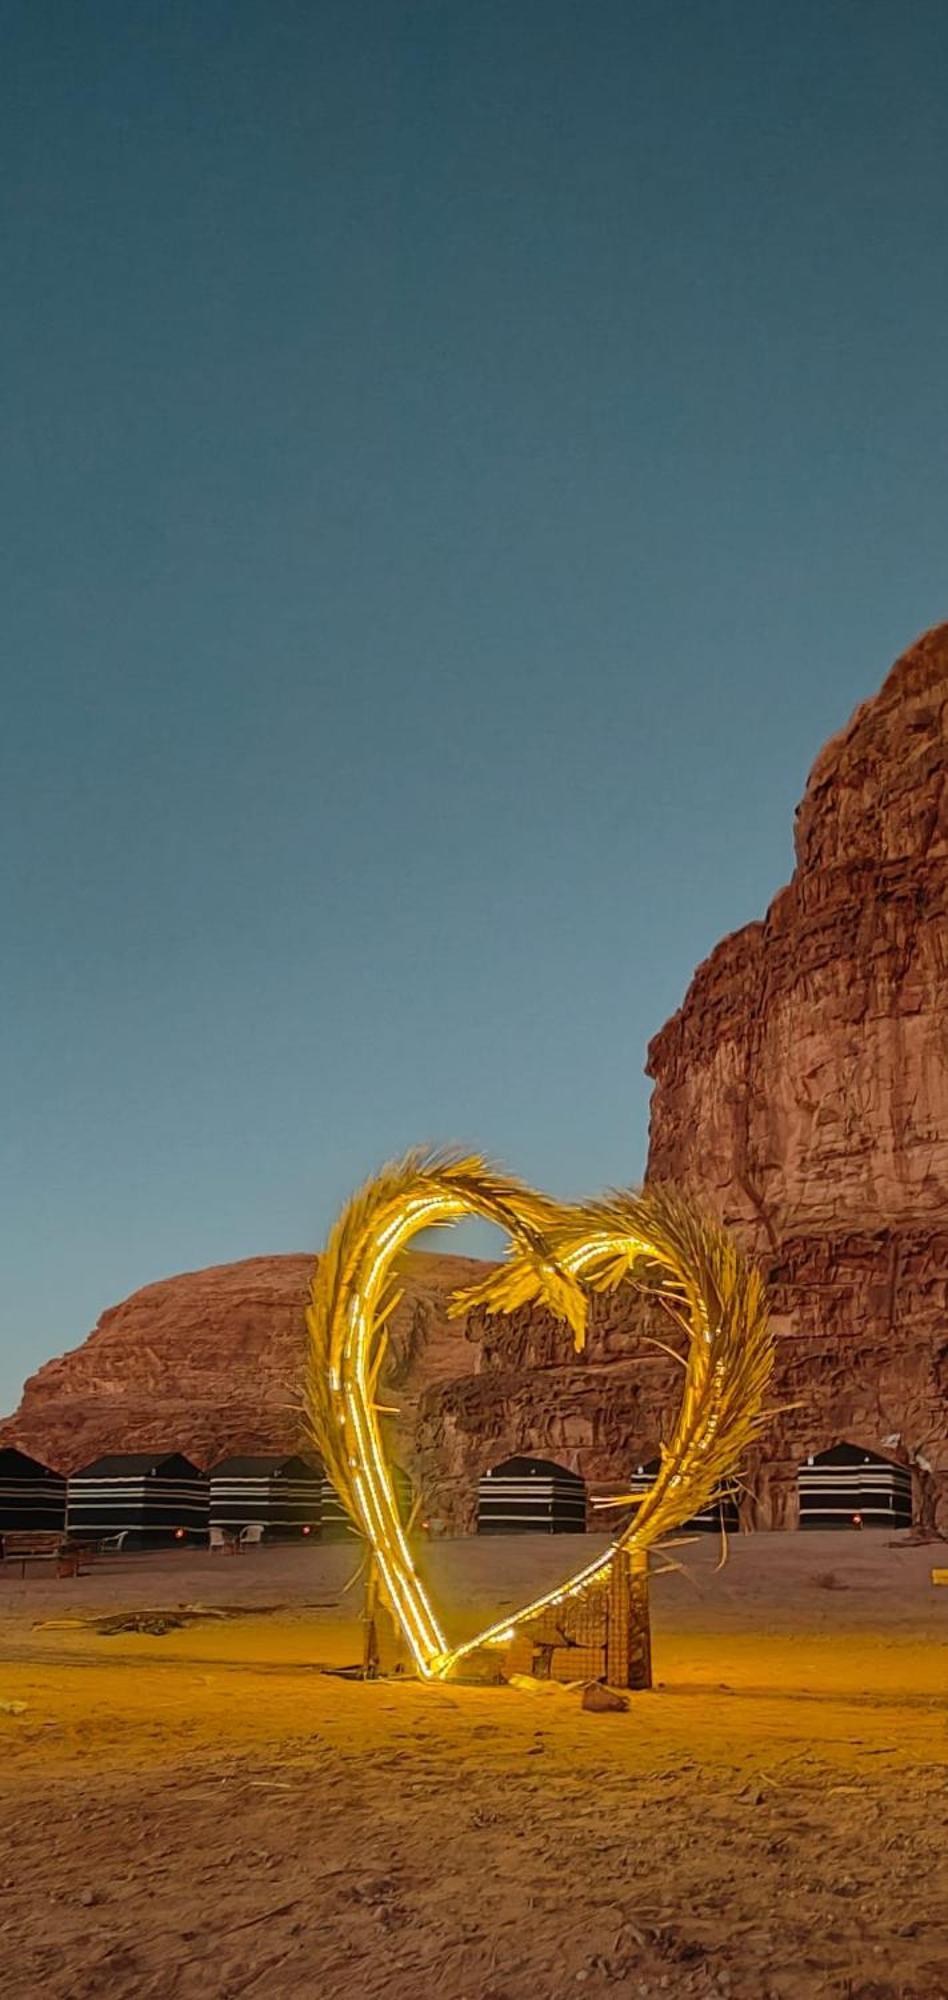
558 1253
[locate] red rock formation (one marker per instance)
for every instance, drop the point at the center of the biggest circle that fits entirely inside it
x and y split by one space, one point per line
860 1359
801 1092
803 1085
802 1089
211 1362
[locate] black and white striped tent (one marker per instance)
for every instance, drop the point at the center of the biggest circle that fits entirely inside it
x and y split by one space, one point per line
531 1496
31 1496
336 1525
155 1497
282 1495
720 1514
848 1487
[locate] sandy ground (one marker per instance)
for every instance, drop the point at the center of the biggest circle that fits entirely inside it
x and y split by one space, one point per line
208 1813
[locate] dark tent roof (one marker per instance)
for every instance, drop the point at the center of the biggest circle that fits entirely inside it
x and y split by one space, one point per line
138 1464
266 1467
18 1465
850 1454
521 1468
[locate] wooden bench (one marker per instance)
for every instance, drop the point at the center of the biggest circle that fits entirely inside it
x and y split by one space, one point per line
20 1545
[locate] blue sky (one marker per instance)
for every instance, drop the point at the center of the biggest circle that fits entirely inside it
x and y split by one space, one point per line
460 462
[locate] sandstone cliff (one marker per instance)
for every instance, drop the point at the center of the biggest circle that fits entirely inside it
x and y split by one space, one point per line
211 1361
801 1092
863 1358
803 1085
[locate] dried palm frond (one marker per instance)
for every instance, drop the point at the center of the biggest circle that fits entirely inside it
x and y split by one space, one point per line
656 1239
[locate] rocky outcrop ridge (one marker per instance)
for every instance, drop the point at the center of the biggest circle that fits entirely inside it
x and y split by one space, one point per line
863 1356
211 1362
803 1085
801 1092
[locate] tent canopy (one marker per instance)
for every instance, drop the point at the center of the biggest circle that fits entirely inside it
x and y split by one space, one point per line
523 1496
140 1465
16 1464
249 1465
32 1497
532 1468
279 1493
156 1494
849 1454
847 1486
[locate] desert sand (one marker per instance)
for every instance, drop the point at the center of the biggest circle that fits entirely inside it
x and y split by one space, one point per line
205 1811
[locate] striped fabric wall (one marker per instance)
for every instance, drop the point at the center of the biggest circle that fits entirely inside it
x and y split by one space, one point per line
513 1499
33 1504
282 1506
868 1493
719 1513
336 1524
149 1506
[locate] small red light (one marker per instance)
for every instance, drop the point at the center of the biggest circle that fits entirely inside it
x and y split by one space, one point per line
307 1531
179 1534
857 1520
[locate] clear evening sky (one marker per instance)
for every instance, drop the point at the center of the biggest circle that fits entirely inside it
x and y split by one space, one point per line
460 462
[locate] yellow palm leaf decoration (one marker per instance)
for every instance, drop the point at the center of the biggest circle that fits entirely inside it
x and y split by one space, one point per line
558 1253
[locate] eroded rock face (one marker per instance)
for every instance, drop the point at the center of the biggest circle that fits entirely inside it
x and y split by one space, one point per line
211 1362
801 1093
802 1089
803 1085
862 1355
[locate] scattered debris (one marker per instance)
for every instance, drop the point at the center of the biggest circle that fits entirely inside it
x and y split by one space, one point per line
156 1623
528 1685
601 1700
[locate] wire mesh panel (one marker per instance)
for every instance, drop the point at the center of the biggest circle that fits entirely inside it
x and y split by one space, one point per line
567 1642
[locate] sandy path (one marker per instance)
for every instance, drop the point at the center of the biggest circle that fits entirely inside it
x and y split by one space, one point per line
206 1813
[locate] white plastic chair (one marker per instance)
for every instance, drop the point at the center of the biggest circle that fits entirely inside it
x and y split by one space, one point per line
111 1544
251 1536
220 1543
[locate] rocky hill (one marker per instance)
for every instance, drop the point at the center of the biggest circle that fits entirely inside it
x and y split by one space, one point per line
803 1085
801 1092
211 1362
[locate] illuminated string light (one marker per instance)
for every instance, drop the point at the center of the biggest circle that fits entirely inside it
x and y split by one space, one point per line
558 1254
